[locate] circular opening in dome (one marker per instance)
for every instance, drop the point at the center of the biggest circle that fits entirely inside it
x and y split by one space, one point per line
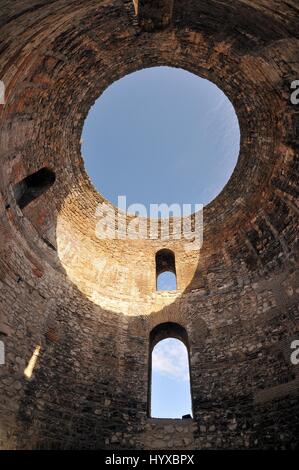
161 135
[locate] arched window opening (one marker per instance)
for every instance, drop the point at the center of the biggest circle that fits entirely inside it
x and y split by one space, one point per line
169 393
33 186
165 270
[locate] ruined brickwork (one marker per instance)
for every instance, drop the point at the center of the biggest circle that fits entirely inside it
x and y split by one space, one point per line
91 304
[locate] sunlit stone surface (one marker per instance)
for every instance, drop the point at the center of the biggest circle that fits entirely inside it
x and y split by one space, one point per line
91 304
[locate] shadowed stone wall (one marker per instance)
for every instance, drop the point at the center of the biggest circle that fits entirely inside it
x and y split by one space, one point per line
91 304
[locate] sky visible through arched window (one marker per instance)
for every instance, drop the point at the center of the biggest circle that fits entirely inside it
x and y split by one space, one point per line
162 135
166 281
171 397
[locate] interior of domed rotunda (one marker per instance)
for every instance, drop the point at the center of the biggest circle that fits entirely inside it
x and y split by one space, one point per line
81 315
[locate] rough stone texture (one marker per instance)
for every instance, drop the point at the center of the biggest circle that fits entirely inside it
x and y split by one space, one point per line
90 303
153 14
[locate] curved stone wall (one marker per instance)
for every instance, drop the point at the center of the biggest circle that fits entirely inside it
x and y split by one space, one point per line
91 304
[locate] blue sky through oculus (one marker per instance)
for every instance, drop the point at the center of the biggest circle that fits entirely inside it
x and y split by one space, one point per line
161 135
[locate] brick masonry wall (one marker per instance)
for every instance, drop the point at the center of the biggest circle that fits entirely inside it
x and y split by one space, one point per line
91 304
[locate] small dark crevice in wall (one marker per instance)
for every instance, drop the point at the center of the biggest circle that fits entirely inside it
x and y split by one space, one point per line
49 244
33 186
